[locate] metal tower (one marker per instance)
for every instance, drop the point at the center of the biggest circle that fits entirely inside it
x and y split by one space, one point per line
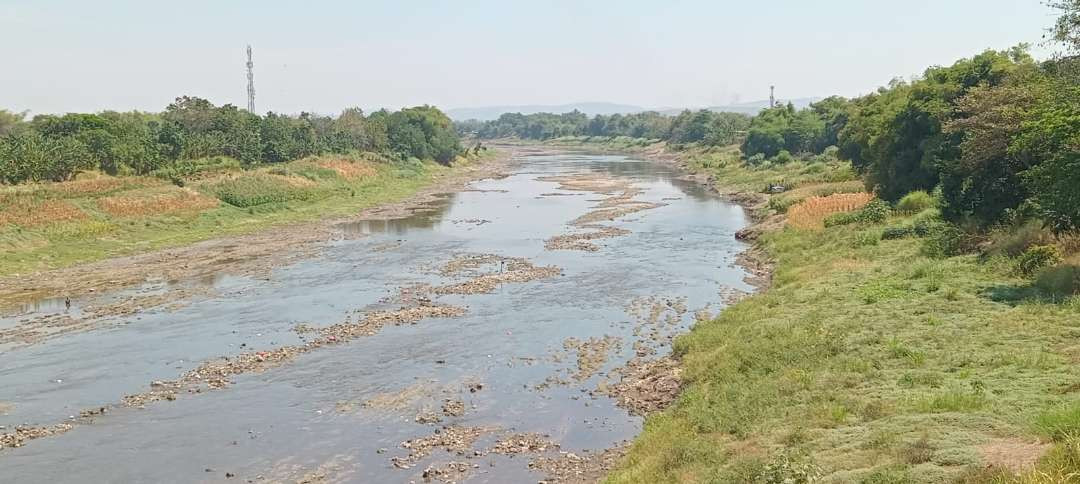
251 82
772 89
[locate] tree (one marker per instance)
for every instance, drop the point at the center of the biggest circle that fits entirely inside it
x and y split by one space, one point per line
1066 29
896 136
10 121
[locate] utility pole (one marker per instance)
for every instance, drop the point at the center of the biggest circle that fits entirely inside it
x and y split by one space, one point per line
251 82
772 89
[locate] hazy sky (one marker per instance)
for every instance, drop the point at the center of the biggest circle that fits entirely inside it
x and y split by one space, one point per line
78 55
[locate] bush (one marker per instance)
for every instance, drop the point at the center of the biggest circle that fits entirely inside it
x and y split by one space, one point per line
1013 240
921 228
874 212
949 241
1038 258
255 189
784 157
893 233
837 219
1060 281
915 202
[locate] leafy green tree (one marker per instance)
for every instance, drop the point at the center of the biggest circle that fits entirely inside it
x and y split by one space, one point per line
896 137
10 121
1066 29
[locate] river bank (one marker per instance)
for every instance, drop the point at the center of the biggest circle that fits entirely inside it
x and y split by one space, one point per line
173 245
866 360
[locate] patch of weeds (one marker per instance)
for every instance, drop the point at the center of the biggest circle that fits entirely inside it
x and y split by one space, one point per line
898 349
916 452
874 410
786 468
795 437
867 239
878 290
952 401
920 379
1060 423
881 440
889 475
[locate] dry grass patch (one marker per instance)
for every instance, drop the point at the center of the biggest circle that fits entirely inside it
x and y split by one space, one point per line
30 212
178 201
349 170
811 213
92 186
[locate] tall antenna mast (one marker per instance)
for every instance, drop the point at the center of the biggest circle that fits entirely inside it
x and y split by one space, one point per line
251 82
772 89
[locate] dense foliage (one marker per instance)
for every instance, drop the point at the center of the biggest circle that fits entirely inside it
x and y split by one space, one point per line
704 127
51 147
998 135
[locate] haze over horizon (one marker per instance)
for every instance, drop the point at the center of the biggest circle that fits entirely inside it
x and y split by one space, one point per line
67 56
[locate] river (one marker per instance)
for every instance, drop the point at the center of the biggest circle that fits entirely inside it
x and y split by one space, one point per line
530 357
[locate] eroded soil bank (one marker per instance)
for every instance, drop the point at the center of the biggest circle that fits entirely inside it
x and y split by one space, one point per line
514 330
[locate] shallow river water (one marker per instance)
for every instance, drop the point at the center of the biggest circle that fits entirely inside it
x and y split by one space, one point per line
342 412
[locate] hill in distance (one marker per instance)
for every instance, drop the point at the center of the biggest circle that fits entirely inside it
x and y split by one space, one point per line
487 113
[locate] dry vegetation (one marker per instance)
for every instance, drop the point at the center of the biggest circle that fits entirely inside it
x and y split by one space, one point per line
28 212
811 213
179 200
348 169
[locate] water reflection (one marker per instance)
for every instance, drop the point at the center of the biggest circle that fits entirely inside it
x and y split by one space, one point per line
431 215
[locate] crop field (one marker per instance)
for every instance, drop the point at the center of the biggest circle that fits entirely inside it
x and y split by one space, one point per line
811 213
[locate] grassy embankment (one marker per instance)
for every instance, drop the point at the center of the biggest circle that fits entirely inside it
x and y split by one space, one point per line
869 360
44 226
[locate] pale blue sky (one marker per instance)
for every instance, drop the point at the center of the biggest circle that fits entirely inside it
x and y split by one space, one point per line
78 55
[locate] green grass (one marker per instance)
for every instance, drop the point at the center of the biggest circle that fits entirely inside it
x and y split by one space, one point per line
252 200
866 361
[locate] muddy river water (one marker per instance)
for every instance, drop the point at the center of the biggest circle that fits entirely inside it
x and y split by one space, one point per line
519 372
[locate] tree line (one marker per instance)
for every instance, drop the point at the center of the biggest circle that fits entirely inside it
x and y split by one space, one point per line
997 134
702 127
55 147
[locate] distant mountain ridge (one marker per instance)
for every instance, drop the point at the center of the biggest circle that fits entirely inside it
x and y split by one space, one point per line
487 113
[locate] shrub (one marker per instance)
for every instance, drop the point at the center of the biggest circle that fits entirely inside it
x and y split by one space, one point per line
1060 281
948 241
874 212
1013 240
784 157
1038 258
254 189
837 219
915 202
893 233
